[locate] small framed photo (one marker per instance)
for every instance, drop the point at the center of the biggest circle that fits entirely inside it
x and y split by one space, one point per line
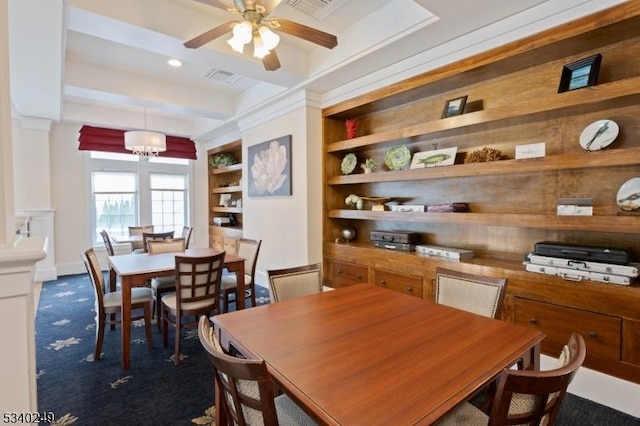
579 74
454 107
435 158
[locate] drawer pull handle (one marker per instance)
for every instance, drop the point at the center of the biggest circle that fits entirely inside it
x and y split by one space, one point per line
339 271
359 276
383 282
533 320
410 289
593 334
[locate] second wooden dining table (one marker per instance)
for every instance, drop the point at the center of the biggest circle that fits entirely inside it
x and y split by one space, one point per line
136 269
365 355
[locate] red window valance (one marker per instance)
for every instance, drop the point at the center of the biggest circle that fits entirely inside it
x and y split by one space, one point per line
112 140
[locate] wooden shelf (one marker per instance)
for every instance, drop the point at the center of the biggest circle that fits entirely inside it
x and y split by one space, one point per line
221 170
617 224
568 103
583 160
226 189
227 209
513 97
225 180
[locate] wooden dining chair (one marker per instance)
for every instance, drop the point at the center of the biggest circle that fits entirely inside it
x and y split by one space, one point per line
197 292
110 252
526 396
186 234
472 293
249 396
163 285
138 230
110 303
248 249
153 236
295 282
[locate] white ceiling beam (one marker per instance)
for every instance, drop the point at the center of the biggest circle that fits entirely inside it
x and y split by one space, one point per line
36 49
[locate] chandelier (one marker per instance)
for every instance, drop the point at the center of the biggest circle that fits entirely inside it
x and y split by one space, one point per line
145 143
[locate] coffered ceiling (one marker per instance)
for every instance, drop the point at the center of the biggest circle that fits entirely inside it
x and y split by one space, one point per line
104 62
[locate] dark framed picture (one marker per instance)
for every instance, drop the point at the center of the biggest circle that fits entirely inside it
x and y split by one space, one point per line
270 167
579 74
454 107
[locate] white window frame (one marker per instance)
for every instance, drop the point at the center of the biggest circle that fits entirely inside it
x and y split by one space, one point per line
142 168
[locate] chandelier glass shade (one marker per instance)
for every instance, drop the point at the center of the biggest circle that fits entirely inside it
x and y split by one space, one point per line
145 143
264 40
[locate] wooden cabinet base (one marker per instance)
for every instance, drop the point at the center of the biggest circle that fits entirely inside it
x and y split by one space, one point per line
606 315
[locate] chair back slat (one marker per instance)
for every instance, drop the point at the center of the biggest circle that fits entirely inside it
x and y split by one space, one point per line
198 278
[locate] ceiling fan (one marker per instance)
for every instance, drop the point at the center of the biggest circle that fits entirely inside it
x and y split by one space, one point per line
257 28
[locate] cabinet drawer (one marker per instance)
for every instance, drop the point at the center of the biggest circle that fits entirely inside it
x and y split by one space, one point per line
602 333
407 284
230 245
216 242
346 273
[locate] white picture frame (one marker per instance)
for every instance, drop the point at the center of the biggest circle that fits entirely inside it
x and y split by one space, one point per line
434 158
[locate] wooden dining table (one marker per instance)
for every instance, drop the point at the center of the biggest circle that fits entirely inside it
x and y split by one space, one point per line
364 355
137 268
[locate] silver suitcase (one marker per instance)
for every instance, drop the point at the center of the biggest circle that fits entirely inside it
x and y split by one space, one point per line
630 270
577 274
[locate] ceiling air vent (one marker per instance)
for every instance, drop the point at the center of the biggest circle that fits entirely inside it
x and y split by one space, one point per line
221 75
319 9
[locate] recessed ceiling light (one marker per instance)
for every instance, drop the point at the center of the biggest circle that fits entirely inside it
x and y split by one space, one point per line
174 62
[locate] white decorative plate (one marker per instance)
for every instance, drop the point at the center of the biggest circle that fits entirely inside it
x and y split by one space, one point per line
397 157
628 197
349 163
599 135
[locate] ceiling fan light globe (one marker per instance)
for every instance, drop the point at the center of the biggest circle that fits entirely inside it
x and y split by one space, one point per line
243 32
259 49
236 45
269 38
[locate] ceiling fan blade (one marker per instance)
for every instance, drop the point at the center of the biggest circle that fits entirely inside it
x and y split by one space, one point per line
271 61
210 35
215 3
307 33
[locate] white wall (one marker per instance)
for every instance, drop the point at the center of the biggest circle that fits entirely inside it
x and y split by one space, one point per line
290 227
69 189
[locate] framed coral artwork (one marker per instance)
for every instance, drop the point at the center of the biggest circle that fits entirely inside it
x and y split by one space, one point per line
270 167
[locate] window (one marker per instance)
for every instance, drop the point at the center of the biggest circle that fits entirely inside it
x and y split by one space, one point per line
127 191
168 202
115 201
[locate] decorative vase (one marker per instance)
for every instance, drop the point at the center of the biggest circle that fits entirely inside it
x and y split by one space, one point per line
367 170
351 127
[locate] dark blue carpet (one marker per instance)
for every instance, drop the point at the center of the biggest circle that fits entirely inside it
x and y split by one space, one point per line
80 391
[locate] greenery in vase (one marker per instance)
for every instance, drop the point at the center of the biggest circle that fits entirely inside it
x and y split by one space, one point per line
222 160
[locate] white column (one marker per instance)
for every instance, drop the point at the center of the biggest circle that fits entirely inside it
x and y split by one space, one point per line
18 392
